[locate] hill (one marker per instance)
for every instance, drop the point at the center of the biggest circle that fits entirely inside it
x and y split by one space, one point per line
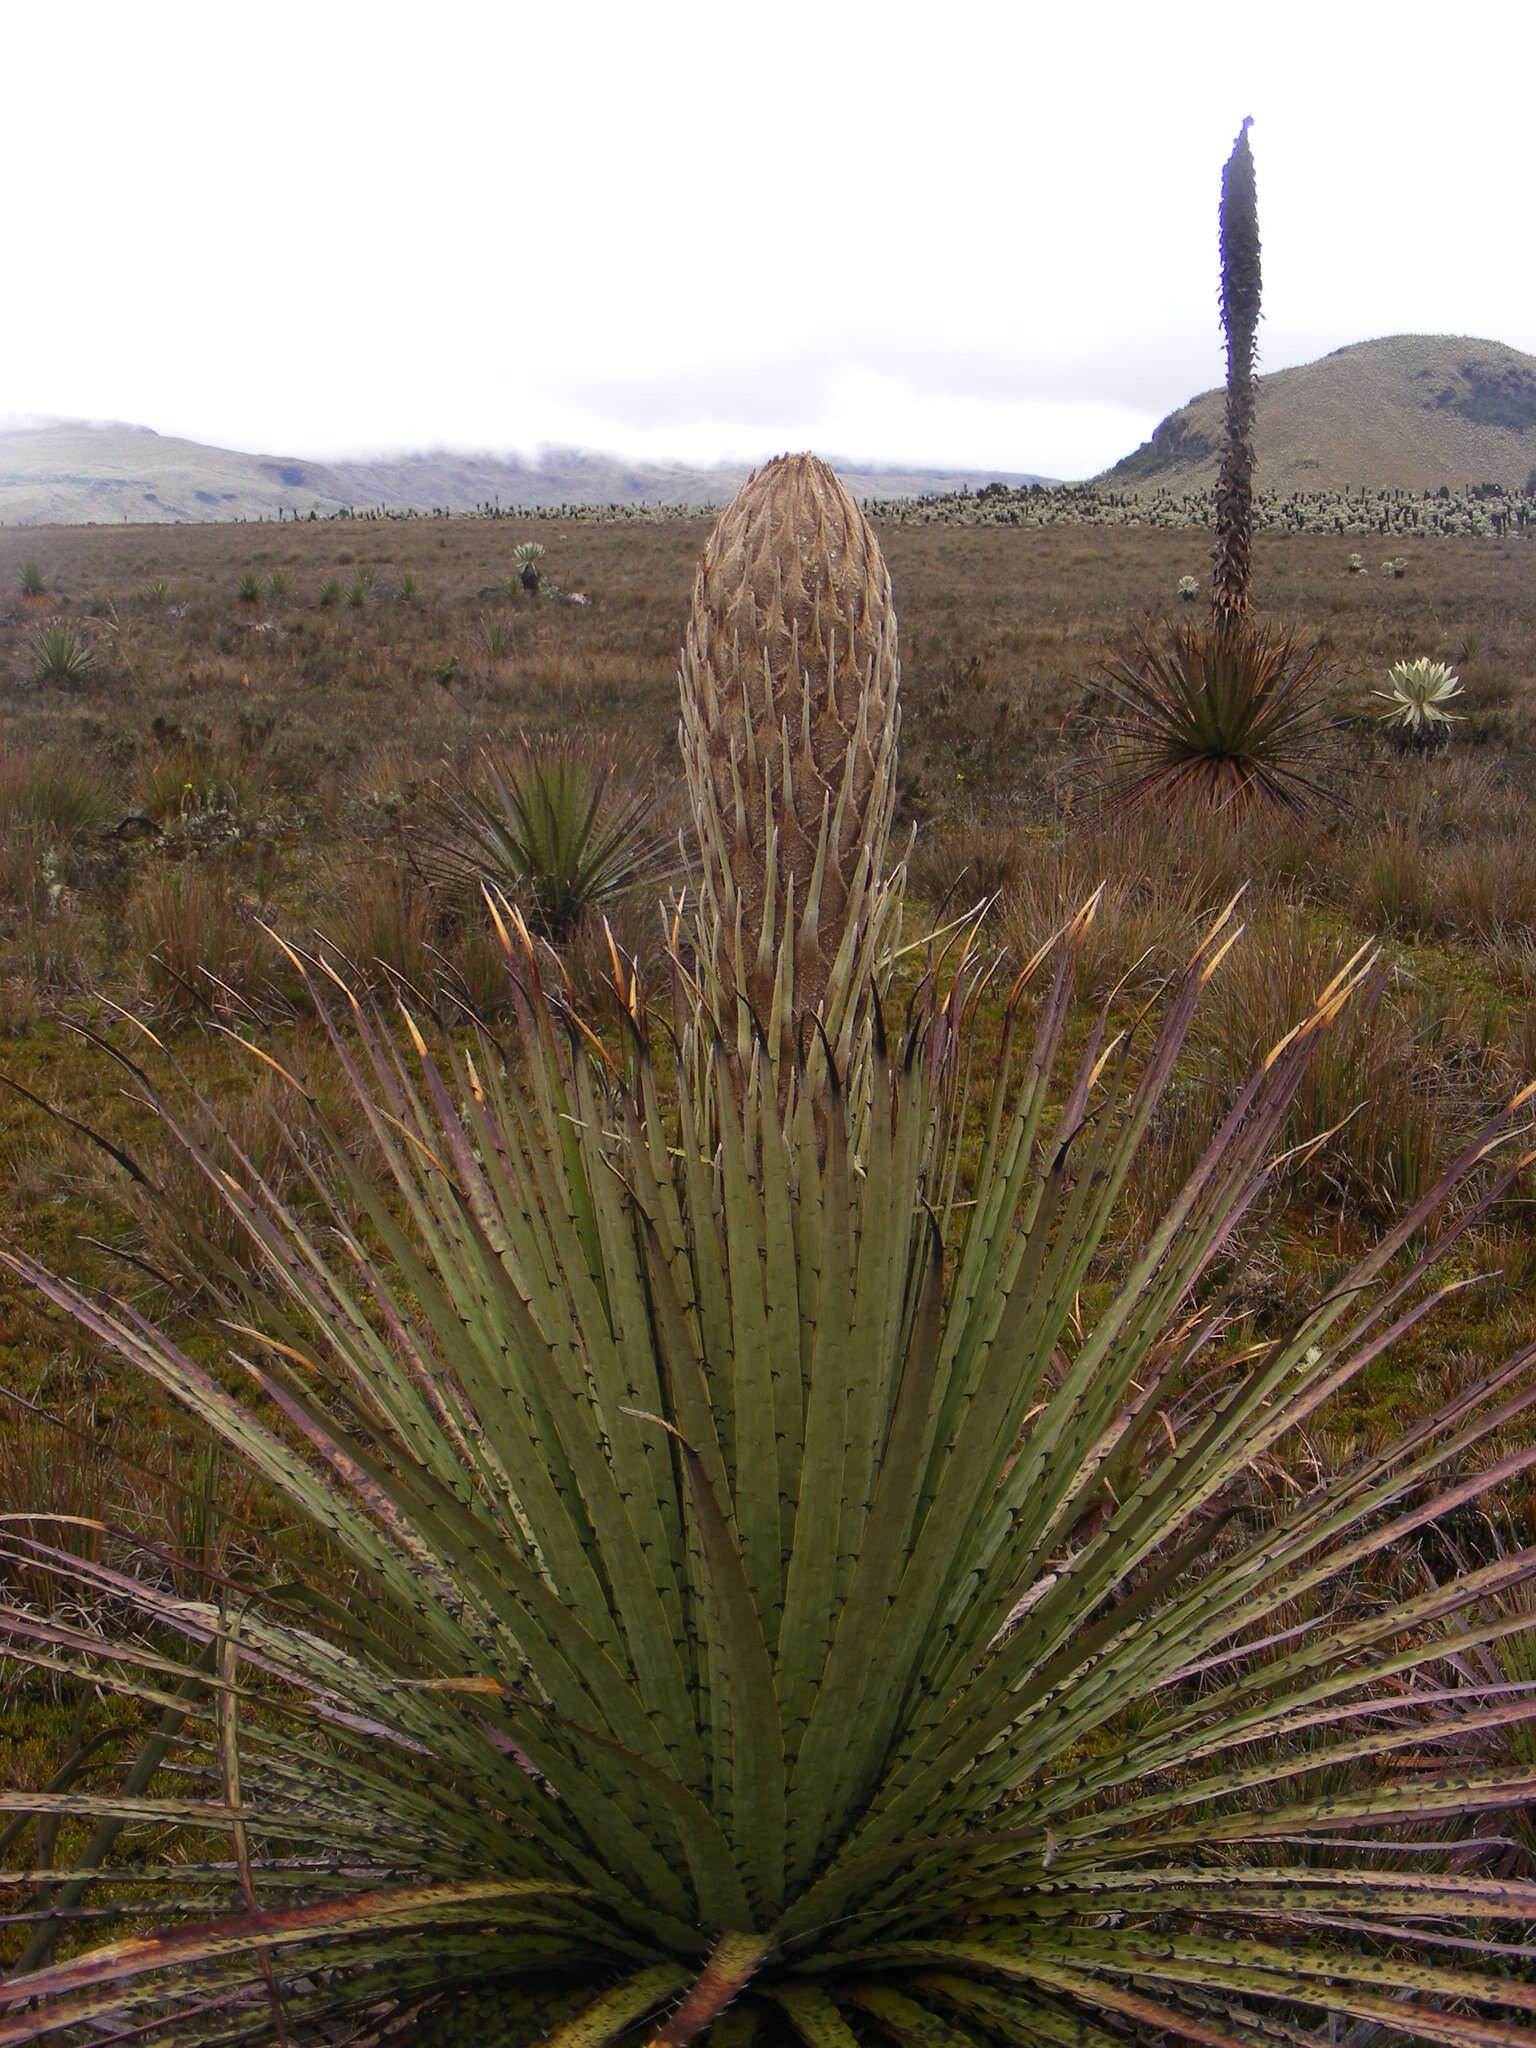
1408 412
72 473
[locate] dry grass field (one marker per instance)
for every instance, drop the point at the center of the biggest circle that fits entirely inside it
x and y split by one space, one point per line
227 762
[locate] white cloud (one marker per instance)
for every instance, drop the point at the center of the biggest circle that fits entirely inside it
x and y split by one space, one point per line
984 235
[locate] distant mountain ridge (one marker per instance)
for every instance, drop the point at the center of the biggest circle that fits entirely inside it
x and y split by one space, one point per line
72 473
1407 412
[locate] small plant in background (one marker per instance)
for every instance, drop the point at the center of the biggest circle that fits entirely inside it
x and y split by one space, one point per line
496 638
358 590
405 589
248 589
1417 702
1397 568
277 583
547 825
1226 716
30 580
526 572
156 591
330 592
59 653
179 782
1356 565
446 671
1471 641
1189 588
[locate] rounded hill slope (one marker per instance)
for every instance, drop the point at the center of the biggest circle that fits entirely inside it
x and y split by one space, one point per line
1410 411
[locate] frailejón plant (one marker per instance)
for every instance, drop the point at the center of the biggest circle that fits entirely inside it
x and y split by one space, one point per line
1418 702
527 572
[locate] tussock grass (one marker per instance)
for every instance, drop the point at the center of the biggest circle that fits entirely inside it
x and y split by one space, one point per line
186 926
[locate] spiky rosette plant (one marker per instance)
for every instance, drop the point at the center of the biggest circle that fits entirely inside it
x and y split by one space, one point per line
547 823
527 567
1418 702
789 679
740 1588
1241 279
1229 717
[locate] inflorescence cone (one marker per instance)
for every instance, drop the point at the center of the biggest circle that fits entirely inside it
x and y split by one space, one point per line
789 678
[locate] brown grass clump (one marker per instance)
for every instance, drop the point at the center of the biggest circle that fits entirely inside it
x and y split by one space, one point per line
384 923
192 938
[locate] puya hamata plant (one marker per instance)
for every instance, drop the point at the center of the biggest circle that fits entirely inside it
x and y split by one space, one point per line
790 719
1228 713
60 653
765 1577
549 826
1241 285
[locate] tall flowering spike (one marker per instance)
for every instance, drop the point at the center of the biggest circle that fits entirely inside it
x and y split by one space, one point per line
1240 286
789 678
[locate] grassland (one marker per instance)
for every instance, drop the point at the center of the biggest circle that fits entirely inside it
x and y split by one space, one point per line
227 763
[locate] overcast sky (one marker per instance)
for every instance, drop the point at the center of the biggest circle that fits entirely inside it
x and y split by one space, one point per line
962 234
